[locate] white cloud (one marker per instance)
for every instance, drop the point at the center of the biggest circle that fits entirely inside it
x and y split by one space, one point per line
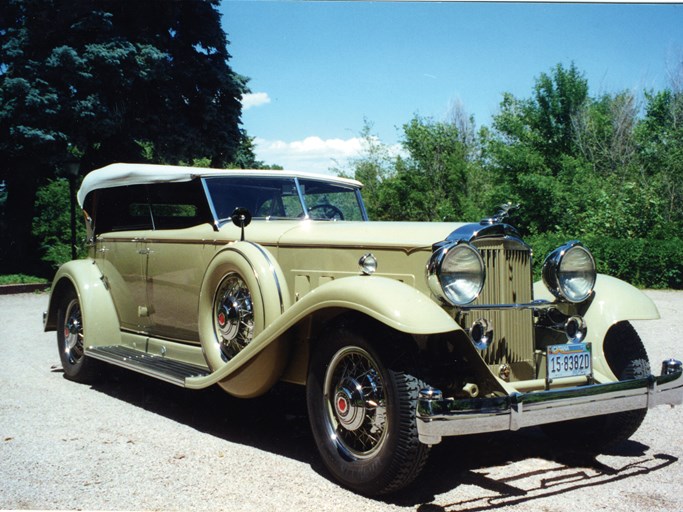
254 99
312 154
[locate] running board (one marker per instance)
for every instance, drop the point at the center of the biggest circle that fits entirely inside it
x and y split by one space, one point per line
152 365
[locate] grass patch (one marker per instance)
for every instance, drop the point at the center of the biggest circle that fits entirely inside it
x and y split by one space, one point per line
21 279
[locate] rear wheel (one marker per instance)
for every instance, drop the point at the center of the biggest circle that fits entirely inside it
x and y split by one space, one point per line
70 340
362 414
628 360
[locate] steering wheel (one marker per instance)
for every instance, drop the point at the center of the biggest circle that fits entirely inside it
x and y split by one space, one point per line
325 211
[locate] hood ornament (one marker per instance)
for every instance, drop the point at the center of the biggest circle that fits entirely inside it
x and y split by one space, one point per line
501 215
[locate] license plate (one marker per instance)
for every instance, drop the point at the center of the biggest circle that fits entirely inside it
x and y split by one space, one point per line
569 360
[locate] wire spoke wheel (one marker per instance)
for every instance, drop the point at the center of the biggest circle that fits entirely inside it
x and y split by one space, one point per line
233 316
71 340
362 410
355 403
73 333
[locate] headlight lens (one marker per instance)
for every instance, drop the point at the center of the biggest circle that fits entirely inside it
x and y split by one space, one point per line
455 273
569 272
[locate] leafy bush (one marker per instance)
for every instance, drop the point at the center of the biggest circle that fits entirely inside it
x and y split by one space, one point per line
52 224
646 263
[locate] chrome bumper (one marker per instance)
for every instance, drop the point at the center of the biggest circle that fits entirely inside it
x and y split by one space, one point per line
438 417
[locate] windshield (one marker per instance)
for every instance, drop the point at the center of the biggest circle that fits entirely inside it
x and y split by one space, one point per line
284 198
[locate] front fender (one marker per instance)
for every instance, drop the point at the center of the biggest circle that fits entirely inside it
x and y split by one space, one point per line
100 319
388 301
395 304
613 301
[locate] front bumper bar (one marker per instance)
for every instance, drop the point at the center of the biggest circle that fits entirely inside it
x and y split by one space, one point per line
438 417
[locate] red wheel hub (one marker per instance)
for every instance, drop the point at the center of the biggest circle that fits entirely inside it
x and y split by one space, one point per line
342 404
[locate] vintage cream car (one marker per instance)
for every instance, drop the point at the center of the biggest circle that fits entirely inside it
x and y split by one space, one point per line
402 332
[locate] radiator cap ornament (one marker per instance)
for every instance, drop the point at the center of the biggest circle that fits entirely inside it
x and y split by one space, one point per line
501 215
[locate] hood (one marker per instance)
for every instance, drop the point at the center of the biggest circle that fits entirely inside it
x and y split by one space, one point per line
408 235
305 233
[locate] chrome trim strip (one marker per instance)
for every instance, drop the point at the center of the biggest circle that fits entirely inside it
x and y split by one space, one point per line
300 193
437 418
198 241
359 200
369 248
272 271
205 241
535 305
212 207
159 367
472 232
253 271
189 343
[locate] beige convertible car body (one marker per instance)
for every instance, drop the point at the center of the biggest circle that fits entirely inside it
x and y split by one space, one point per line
403 333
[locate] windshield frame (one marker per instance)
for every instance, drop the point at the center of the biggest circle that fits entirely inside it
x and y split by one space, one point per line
299 185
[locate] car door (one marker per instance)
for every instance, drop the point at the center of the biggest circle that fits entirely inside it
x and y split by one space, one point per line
122 226
178 253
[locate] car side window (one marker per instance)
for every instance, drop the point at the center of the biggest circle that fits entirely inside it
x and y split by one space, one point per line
148 207
329 200
121 209
178 205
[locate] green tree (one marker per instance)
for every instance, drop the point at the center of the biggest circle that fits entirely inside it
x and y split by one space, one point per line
660 137
51 227
431 183
604 133
103 80
533 148
580 165
373 168
614 198
430 180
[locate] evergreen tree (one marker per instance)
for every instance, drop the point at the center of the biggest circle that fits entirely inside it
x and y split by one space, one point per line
108 81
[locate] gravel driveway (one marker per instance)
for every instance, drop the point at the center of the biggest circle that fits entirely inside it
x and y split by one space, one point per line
133 443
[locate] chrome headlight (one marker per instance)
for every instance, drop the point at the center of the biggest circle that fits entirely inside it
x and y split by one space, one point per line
569 272
455 273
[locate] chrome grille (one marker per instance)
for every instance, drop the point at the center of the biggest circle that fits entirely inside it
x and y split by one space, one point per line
508 281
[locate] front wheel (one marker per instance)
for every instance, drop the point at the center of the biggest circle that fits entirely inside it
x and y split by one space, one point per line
70 340
628 360
362 415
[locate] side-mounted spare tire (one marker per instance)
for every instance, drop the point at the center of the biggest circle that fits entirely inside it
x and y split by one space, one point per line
243 292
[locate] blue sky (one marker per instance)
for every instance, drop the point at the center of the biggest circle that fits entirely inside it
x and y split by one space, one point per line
318 69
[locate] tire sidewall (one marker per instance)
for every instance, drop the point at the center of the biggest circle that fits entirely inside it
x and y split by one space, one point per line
365 476
229 263
82 370
627 358
266 284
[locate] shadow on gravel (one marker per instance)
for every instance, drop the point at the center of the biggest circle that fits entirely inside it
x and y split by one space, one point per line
278 423
467 461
